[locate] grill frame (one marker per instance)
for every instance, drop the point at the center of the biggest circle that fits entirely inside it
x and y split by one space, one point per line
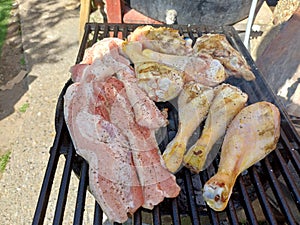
282 160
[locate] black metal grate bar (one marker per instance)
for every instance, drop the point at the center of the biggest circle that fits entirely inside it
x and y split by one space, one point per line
156 215
137 217
175 213
268 181
52 164
262 196
232 213
278 193
63 191
190 198
81 194
247 202
294 158
98 215
287 174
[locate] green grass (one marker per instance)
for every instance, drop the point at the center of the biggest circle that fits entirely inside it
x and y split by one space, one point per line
5 8
24 107
4 160
22 61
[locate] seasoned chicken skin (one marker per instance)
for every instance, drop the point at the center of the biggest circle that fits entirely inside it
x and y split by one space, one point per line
193 104
160 82
251 136
219 48
228 101
202 69
162 39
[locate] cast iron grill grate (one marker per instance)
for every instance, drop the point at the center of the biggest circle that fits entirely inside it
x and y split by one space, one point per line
267 193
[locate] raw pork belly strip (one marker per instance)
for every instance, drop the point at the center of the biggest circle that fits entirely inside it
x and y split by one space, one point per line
108 130
155 179
112 176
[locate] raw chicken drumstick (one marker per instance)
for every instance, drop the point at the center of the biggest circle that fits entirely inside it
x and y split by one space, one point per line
251 136
228 101
193 104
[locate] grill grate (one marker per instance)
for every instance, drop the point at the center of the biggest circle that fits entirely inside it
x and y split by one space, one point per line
267 193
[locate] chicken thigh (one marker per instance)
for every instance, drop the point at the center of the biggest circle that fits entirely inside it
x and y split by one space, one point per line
228 101
160 82
161 39
219 48
202 69
251 136
193 104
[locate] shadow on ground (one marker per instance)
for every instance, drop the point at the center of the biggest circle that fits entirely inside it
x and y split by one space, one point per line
8 98
40 47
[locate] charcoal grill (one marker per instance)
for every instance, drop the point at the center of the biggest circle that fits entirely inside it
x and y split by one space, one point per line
267 193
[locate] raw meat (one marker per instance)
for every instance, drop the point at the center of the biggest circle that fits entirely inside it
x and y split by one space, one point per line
250 137
92 115
145 111
219 48
228 101
112 175
193 105
161 39
202 69
159 81
107 46
156 180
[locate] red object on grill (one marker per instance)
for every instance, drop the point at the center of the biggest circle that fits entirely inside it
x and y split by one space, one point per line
271 186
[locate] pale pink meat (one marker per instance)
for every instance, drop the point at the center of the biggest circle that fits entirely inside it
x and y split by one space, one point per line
145 111
156 180
110 46
103 59
125 167
112 176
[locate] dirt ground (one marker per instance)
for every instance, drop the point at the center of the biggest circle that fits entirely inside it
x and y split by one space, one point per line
12 71
12 57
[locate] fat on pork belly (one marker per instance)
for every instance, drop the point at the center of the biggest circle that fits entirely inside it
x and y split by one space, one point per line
93 112
157 182
250 137
109 46
113 180
228 101
219 48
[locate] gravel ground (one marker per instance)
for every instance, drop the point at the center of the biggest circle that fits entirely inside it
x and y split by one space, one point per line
50 42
